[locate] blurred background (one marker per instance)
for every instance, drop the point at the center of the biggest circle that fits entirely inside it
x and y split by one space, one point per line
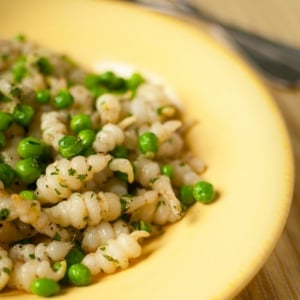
278 20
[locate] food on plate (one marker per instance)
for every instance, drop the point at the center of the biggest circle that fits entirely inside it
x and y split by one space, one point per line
91 164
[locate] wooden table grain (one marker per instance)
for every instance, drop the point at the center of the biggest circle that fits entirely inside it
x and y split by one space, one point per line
279 279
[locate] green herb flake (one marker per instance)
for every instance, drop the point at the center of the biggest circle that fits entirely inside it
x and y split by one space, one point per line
145 226
71 172
135 225
125 201
62 185
4 56
57 191
57 237
4 213
159 203
16 92
68 60
33 204
110 258
103 247
6 270
121 176
31 256
152 180
56 266
159 110
81 177
4 98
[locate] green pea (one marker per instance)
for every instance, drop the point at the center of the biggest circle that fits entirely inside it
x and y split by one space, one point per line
80 122
148 143
44 65
42 96
134 81
19 69
70 146
204 192
2 140
120 151
6 120
74 256
92 80
111 81
118 85
167 170
95 84
44 287
63 99
7 174
87 137
88 152
97 91
79 275
28 195
31 147
28 170
186 195
23 114
107 78
20 37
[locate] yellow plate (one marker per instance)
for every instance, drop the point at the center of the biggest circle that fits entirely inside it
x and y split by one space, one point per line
215 250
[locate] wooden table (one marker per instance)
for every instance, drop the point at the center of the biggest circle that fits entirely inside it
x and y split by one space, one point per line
279 279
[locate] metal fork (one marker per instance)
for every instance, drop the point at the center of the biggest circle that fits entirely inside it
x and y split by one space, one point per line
278 62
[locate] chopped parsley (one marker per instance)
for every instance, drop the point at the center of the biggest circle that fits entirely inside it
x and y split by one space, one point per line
6 270
103 247
110 258
57 191
4 212
16 92
31 256
4 98
71 172
125 201
81 177
152 180
62 185
57 237
56 266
